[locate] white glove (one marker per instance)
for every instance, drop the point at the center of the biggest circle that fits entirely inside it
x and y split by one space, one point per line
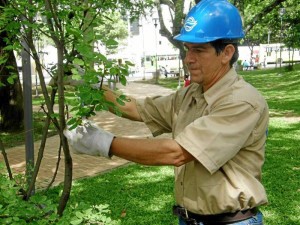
89 139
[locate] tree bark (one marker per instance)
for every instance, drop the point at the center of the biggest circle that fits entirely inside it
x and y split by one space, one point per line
11 96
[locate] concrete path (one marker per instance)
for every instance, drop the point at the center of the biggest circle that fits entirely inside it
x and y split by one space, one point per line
84 165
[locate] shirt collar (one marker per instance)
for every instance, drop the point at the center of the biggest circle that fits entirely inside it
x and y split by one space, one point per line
229 78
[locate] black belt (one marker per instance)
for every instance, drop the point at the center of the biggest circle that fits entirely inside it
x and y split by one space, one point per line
218 219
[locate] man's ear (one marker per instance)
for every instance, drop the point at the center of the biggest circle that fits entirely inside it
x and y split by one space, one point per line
227 53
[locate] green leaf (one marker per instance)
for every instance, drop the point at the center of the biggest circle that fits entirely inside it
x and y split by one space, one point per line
8 48
54 115
11 78
73 126
74 71
111 42
76 221
123 80
120 102
76 77
71 121
79 214
79 62
113 71
129 63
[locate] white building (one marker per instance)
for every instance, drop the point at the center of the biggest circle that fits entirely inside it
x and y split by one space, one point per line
269 55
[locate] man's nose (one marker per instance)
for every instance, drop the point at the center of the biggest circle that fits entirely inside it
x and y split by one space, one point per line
189 58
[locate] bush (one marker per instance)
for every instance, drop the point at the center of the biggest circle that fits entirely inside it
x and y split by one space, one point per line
39 209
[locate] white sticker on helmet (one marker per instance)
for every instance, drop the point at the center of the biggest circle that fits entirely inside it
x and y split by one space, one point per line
190 23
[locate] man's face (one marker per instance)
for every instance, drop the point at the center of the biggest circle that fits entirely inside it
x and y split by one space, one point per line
205 66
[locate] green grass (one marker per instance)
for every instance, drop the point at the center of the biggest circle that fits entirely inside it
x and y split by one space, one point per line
12 139
136 194
281 90
139 194
281 174
282 169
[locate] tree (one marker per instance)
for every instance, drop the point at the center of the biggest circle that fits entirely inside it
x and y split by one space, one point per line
115 29
262 18
11 107
290 30
72 28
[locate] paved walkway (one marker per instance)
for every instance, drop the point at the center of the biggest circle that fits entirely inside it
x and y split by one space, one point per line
84 165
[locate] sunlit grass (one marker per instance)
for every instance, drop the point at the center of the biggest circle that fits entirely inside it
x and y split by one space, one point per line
136 194
282 172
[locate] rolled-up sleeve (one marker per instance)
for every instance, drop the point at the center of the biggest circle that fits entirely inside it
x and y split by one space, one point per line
156 113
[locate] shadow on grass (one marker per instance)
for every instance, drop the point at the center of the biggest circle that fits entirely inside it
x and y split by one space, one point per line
281 91
281 174
135 194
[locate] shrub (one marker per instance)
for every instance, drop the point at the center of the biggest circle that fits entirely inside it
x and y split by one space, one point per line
39 209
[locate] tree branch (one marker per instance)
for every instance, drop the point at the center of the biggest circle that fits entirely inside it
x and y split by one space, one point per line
260 15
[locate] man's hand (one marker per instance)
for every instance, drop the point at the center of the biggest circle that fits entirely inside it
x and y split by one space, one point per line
90 139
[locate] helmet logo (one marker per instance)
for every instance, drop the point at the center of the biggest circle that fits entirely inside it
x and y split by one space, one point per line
190 23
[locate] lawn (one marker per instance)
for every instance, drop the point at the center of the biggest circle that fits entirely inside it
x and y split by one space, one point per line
281 175
139 194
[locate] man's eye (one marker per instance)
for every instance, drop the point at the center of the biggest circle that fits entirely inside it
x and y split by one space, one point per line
193 50
197 49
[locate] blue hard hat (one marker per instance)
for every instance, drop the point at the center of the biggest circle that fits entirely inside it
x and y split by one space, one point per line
211 20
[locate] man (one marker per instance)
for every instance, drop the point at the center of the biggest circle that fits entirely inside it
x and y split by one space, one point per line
164 71
246 65
218 124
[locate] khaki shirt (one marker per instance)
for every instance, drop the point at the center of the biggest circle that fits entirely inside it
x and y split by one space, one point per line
225 130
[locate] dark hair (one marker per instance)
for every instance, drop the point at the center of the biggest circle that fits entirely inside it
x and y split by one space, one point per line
219 46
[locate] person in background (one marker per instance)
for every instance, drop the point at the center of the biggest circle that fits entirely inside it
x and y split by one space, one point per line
265 62
218 124
256 60
246 65
164 71
187 81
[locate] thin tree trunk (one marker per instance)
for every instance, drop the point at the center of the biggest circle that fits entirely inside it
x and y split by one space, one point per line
6 160
62 122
